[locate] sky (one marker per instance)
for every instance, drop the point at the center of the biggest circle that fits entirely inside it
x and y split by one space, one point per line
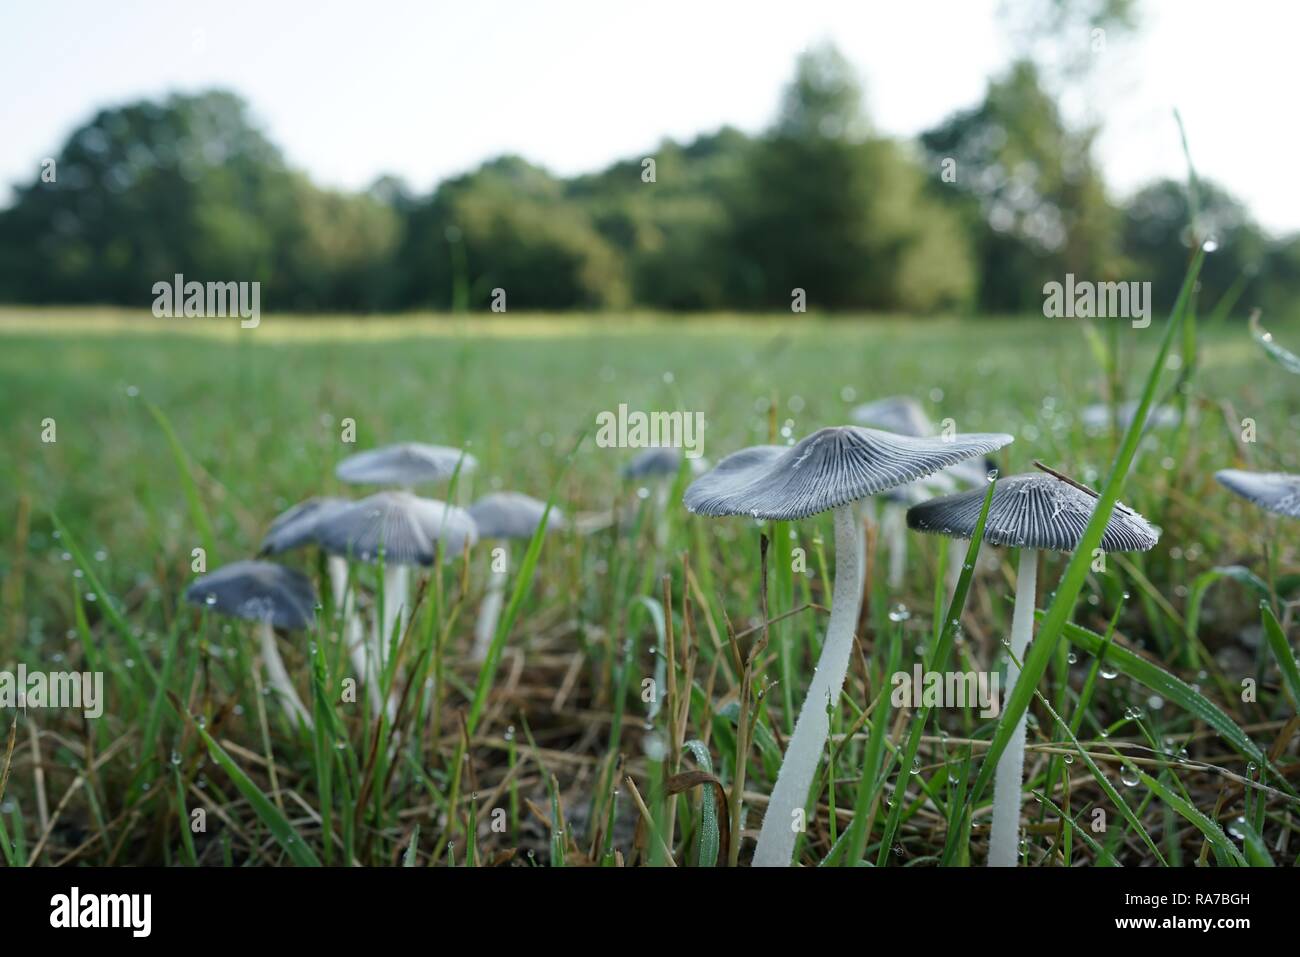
427 90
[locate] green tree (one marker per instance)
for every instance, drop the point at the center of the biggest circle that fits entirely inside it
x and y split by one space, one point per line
1030 189
839 213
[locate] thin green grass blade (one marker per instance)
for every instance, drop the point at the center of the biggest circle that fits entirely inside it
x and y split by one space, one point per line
1104 783
1213 833
198 514
709 840
1104 857
1284 357
1176 691
1076 571
270 815
408 857
938 662
1252 843
106 604
1281 649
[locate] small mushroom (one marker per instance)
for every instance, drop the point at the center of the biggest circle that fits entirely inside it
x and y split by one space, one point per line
502 516
829 470
658 466
1031 512
273 596
405 464
1272 491
896 413
301 526
404 530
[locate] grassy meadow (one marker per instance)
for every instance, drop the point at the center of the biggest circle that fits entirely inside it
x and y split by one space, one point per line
174 435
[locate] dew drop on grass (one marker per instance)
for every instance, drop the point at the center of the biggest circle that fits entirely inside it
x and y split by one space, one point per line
899 612
1128 776
1108 672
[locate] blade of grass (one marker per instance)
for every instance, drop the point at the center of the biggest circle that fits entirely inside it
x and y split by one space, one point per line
198 514
1076 571
284 832
1281 649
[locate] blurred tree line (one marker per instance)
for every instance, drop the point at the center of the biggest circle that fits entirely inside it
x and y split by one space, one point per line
976 216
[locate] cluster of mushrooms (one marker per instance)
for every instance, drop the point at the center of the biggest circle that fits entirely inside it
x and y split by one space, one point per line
898 461
395 528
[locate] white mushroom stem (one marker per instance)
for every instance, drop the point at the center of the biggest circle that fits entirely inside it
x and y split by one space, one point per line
397 583
353 637
278 676
489 613
802 754
661 512
361 648
1004 842
893 527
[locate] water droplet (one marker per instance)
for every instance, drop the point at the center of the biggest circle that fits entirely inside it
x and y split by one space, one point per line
899 612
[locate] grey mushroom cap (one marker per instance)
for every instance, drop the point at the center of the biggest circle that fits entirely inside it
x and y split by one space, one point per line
257 591
298 525
511 515
830 468
406 463
1035 510
1273 491
1099 415
900 414
950 480
408 529
659 462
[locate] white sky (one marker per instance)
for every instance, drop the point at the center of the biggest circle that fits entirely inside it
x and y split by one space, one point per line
429 89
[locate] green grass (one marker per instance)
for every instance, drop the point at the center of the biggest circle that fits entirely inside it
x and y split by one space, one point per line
181 435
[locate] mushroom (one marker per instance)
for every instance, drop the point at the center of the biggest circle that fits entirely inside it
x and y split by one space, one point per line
503 515
405 530
273 596
829 470
900 414
405 464
1031 512
299 526
660 465
903 415
1272 491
